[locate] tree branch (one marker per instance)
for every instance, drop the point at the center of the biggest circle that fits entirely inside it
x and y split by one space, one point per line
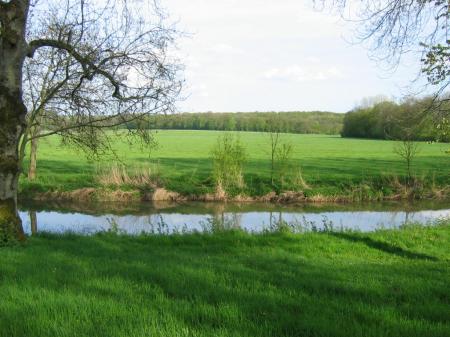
93 124
89 67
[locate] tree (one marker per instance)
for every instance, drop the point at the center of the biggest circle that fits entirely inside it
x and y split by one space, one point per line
407 124
283 157
390 120
397 27
113 67
280 150
407 150
274 132
41 85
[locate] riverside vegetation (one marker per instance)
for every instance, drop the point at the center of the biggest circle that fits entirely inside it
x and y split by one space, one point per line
319 167
386 283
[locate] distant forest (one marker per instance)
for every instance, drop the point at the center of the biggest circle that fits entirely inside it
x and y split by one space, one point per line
318 122
409 119
375 120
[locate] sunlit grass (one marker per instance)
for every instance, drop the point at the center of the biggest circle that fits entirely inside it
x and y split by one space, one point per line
329 164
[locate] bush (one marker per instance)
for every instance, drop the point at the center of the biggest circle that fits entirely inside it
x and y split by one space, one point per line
229 157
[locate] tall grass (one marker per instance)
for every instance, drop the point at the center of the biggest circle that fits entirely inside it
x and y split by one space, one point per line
121 175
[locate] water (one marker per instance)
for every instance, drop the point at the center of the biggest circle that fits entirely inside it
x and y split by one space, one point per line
163 218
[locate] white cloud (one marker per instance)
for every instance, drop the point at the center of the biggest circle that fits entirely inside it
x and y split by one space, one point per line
305 73
273 55
223 48
200 90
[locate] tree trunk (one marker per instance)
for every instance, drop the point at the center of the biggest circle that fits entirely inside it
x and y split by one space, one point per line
12 115
33 159
12 120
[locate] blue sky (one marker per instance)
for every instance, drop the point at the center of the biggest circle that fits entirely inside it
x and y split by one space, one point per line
276 55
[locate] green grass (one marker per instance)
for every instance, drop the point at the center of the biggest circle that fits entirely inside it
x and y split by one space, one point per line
330 164
387 283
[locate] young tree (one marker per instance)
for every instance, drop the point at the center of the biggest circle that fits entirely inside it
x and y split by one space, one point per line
407 124
283 157
280 149
41 86
115 68
407 150
274 132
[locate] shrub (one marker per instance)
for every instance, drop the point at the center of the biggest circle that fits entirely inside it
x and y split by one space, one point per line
228 157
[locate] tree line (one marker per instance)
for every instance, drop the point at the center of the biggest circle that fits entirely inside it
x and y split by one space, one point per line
289 122
407 120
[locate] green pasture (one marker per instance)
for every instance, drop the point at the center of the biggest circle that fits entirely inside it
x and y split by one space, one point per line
329 164
387 283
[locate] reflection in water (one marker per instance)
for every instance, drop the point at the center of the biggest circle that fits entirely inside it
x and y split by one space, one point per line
183 219
33 222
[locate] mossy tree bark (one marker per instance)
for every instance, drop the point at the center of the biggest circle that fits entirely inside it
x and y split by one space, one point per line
12 114
13 17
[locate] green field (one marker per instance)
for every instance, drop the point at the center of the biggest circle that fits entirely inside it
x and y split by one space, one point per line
387 283
330 165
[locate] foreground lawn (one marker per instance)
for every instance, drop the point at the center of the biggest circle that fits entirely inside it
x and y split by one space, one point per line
329 164
388 283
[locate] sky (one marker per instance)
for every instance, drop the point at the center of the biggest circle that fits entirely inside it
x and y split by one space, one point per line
276 55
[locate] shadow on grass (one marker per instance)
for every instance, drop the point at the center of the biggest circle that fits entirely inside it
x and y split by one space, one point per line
383 246
226 285
193 175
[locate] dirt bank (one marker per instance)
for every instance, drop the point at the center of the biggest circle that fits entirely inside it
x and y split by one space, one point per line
162 194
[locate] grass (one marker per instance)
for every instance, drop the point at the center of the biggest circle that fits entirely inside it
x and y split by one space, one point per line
387 283
330 165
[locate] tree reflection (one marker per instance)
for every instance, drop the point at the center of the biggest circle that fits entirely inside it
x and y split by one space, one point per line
33 222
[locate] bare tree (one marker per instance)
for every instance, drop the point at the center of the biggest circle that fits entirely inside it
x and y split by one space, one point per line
405 126
274 137
280 149
407 150
397 27
283 157
42 85
109 65
274 133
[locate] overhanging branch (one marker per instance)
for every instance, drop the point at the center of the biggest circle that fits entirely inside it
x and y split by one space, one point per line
96 124
89 67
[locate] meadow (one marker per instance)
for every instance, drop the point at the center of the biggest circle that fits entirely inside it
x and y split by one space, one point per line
386 283
327 165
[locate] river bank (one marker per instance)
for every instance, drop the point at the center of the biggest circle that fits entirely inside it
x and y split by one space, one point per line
322 168
356 194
